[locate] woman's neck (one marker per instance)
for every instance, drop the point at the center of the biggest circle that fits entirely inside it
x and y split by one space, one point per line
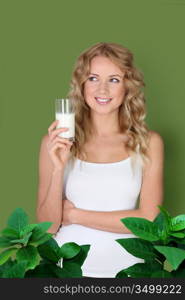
104 125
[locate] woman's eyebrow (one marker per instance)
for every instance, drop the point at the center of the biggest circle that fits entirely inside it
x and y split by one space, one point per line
109 75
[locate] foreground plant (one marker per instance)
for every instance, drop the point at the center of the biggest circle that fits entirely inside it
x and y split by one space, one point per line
160 243
32 252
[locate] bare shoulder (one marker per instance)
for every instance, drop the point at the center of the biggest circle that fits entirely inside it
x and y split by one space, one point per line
155 150
154 134
156 142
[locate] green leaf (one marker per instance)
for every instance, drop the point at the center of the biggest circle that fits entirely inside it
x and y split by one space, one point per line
43 238
18 219
180 273
50 250
9 232
71 270
27 229
165 212
143 270
181 246
80 257
5 242
39 232
182 241
16 271
159 221
121 274
174 255
69 250
142 228
162 223
161 274
4 256
29 254
50 270
179 235
7 265
41 271
44 226
138 247
22 241
178 223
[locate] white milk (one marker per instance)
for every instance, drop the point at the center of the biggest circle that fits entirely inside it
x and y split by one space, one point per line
66 120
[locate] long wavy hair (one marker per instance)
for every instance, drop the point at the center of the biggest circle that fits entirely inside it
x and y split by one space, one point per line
132 112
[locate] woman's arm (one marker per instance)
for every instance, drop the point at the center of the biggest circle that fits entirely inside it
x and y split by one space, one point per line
151 195
107 221
49 200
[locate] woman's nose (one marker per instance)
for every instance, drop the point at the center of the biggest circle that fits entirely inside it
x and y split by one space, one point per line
103 87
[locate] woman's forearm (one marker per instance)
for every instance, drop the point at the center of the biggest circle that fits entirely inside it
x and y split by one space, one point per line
103 220
51 208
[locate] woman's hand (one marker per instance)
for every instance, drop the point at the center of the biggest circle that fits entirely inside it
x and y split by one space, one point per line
58 147
68 209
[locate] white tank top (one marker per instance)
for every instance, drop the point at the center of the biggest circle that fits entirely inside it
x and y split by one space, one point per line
101 187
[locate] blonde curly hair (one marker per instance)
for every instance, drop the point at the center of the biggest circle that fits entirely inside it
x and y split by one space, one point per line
132 112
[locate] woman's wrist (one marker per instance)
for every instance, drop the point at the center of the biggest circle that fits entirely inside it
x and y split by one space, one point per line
75 215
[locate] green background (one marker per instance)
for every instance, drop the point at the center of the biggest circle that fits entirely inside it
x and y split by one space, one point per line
40 41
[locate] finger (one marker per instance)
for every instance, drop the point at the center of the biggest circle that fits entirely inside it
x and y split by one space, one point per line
60 140
52 126
54 133
56 146
63 140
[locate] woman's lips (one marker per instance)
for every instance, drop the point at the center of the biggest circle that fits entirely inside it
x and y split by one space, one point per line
103 101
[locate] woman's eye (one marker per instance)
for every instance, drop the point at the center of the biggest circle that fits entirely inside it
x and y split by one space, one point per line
92 78
115 80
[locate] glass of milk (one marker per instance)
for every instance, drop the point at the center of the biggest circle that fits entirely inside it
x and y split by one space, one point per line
64 113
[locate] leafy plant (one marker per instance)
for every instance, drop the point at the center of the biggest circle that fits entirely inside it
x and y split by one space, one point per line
160 243
30 251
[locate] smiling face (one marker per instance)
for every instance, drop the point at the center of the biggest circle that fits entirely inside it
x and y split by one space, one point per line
104 89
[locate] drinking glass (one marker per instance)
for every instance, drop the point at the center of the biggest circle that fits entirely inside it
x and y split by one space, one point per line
64 113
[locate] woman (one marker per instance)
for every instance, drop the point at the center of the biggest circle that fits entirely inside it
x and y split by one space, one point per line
87 186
